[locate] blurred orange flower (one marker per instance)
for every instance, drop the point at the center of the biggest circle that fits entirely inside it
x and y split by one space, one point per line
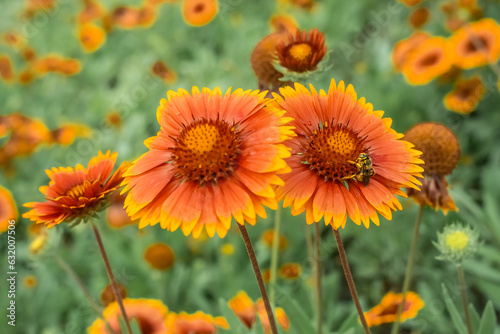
428 61
419 17
262 59
197 323
108 296
290 270
67 133
268 238
476 44
387 310
283 24
151 316
92 37
216 157
161 70
93 10
199 12
6 70
465 95
410 2
441 152
74 194
116 214
160 256
57 64
8 209
303 51
403 48
337 127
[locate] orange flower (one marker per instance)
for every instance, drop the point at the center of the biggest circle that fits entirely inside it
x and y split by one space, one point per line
404 47
151 315
428 61
197 323
116 214
30 281
290 271
28 54
216 157
76 193
93 10
304 4
387 310
6 71
15 40
92 37
114 118
283 24
410 2
108 296
262 59
466 95
303 51
129 17
67 133
199 12
160 256
161 70
26 77
441 152
246 310
340 142
8 209
419 17
268 238
476 44
57 64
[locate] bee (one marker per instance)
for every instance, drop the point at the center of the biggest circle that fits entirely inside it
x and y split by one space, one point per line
364 168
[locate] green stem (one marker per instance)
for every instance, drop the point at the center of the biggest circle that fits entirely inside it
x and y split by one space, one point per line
463 291
114 286
350 280
409 268
318 279
274 253
258 276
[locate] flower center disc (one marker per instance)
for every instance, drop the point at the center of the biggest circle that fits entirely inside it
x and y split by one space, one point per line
330 150
206 151
300 51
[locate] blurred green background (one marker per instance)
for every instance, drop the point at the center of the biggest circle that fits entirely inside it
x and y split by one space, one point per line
360 36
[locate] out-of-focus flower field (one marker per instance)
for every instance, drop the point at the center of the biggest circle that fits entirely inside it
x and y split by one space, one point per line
87 76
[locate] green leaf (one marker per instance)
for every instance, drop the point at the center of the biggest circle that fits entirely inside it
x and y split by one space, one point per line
300 322
452 309
133 324
488 320
475 319
350 323
235 324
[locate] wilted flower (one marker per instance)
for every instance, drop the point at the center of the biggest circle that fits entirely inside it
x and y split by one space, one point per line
441 152
457 242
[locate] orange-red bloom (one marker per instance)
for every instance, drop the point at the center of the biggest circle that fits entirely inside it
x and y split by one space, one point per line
75 193
199 12
303 51
283 24
441 152
419 17
57 64
8 209
428 61
197 323
161 70
151 316
466 95
334 131
160 256
476 44
92 37
246 310
262 59
215 157
404 47
387 310
6 71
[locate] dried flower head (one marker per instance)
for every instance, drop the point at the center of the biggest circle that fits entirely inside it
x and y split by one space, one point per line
441 152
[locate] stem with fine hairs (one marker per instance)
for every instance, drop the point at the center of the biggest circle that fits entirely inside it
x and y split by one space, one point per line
350 280
409 268
318 279
114 286
463 291
258 276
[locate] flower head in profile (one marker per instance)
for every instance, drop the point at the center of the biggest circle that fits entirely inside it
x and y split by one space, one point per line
441 152
263 58
247 311
197 323
476 44
346 159
216 157
429 60
466 95
76 193
387 310
457 242
8 209
151 316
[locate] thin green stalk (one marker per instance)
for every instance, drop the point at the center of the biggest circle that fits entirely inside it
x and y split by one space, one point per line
463 291
318 279
350 280
274 254
409 267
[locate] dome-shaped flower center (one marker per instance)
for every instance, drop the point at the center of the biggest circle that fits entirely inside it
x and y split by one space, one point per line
300 51
76 191
457 241
206 151
331 152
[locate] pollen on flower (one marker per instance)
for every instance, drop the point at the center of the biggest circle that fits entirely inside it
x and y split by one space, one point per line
457 241
300 51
